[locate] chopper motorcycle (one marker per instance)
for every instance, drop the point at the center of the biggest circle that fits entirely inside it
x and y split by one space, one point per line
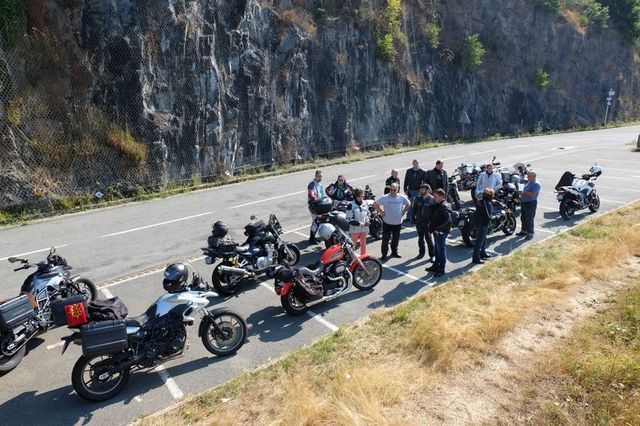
578 194
29 314
111 349
263 250
338 269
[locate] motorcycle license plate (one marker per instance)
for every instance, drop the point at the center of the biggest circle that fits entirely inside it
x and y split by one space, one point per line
209 260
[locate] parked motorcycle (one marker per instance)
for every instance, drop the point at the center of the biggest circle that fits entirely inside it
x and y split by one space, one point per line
375 221
29 314
502 219
338 269
468 176
577 194
263 249
453 196
112 349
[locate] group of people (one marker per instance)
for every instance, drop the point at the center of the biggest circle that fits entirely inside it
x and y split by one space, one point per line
424 204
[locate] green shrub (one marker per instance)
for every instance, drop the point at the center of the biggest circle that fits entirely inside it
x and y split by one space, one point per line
432 33
472 53
552 6
625 14
597 14
542 78
384 47
391 32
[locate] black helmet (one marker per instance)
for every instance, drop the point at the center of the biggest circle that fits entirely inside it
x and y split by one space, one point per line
220 229
175 277
322 206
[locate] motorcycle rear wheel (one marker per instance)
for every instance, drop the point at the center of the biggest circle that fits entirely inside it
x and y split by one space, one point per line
92 389
225 284
566 211
227 335
468 234
367 281
510 224
292 304
594 206
8 363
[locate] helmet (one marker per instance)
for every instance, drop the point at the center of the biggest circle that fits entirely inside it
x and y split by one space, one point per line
322 206
175 277
220 229
595 170
325 231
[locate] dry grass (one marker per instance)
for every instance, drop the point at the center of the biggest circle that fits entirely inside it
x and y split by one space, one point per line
366 374
125 143
301 19
573 18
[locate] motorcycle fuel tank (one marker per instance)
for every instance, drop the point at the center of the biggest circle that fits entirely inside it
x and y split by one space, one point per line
332 254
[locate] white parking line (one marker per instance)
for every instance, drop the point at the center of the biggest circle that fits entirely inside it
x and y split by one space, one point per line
156 224
322 321
619 189
301 234
106 293
295 229
545 231
169 382
32 252
398 271
55 345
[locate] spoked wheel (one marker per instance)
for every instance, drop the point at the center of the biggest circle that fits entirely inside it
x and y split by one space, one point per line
566 210
375 229
292 257
224 333
369 277
469 234
292 304
226 284
84 287
594 205
510 225
9 362
95 377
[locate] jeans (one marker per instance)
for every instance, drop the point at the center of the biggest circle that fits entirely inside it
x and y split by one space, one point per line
527 214
441 251
479 249
422 236
412 193
392 231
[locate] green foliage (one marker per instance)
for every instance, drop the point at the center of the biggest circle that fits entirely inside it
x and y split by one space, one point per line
14 113
385 48
432 33
552 6
124 142
472 53
12 20
542 78
385 43
626 16
597 14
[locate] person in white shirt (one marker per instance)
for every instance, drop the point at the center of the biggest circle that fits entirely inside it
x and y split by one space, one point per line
488 179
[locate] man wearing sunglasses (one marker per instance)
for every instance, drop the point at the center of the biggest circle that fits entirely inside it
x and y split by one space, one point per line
391 207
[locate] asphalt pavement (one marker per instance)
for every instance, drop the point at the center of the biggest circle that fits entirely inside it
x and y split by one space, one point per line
125 248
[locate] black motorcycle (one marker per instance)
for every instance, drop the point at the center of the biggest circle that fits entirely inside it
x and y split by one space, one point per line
263 249
375 221
453 196
31 313
502 219
111 349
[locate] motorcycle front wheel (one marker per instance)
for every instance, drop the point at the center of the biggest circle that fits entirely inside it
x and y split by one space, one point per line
8 363
566 211
594 205
369 277
292 304
224 333
94 379
469 234
510 224
84 287
375 229
225 284
293 258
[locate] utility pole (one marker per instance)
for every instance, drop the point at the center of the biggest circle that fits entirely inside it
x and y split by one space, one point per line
464 120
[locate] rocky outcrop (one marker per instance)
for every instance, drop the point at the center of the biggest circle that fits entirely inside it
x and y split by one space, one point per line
215 86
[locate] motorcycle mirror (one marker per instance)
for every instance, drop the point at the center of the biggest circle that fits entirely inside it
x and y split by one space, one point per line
53 250
366 188
13 259
253 217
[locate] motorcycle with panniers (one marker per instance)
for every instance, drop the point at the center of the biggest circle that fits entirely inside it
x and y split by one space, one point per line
332 276
25 316
576 194
111 349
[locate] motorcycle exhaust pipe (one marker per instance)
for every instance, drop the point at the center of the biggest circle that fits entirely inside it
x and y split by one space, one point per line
233 270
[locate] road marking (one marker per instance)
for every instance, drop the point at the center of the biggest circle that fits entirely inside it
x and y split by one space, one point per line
301 234
55 345
552 209
32 252
613 201
169 382
322 321
295 229
544 230
452 158
156 224
406 274
141 275
619 189
106 293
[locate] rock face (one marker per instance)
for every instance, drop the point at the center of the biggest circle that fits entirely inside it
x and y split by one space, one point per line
213 86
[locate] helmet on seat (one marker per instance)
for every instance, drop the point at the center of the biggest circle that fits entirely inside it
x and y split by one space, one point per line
220 229
322 206
595 170
175 277
325 231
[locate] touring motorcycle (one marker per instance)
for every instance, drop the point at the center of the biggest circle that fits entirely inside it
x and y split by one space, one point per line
112 349
338 269
502 219
29 314
577 194
263 249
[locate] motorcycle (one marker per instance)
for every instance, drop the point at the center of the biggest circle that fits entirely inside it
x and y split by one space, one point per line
453 196
112 349
338 269
502 219
375 221
29 314
577 194
468 176
263 249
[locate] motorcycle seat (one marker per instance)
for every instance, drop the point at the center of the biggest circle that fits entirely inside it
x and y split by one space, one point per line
311 271
243 248
141 320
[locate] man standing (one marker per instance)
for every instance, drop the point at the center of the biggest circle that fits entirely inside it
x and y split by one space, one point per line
414 177
423 206
529 203
315 191
437 177
391 179
394 206
488 179
440 226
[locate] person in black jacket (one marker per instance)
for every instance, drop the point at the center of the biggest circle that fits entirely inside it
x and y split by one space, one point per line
391 179
440 226
423 206
414 177
437 177
481 220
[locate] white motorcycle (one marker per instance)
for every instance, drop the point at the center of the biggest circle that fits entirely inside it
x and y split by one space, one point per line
575 194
